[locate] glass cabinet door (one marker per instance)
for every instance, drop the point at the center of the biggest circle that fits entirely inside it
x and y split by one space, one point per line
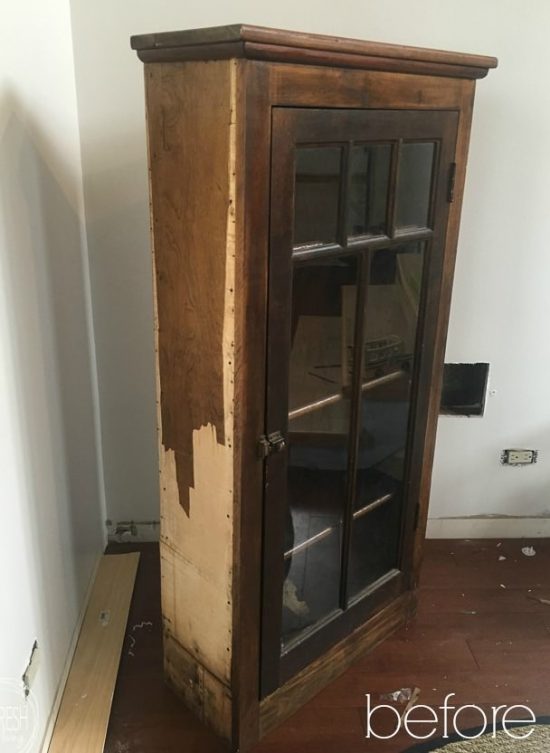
358 219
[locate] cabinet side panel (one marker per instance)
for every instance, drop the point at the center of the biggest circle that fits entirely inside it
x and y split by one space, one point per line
191 125
451 243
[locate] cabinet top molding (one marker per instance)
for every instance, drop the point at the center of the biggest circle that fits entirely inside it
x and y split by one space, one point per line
277 45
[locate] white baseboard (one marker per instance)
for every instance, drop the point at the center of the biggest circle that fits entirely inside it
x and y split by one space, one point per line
68 661
490 527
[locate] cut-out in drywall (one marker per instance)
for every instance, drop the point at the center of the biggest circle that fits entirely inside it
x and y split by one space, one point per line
464 389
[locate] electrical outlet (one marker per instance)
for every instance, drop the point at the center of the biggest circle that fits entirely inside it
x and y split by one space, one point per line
518 457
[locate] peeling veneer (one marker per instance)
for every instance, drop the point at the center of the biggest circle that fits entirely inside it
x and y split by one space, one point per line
195 303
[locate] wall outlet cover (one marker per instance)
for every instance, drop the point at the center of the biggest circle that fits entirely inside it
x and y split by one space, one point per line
518 457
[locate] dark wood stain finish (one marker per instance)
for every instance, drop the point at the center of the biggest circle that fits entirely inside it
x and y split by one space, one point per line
250 314
292 126
277 45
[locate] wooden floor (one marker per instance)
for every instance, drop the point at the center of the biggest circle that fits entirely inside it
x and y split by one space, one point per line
480 633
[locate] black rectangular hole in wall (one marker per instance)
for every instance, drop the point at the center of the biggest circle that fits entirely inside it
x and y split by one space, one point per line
464 389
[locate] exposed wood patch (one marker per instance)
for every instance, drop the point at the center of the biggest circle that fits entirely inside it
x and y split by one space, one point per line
196 554
83 717
201 691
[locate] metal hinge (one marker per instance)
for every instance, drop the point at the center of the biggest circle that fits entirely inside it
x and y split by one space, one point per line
451 185
416 516
270 444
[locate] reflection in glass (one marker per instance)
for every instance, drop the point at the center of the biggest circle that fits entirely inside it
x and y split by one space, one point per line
414 184
317 192
318 429
391 317
368 189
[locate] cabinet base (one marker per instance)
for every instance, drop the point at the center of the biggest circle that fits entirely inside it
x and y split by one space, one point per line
303 686
211 700
199 689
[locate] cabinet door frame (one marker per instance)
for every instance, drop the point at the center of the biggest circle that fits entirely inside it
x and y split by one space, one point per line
292 126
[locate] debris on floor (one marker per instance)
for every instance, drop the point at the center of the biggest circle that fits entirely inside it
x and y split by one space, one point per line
501 558
137 626
412 701
468 611
144 623
122 747
539 599
529 551
398 696
407 696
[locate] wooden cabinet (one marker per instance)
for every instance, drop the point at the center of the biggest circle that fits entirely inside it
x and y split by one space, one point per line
305 195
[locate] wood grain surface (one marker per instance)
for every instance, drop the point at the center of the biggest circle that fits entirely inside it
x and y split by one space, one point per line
81 723
257 42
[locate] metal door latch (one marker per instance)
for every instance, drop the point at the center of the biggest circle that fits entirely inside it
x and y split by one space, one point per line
451 184
270 444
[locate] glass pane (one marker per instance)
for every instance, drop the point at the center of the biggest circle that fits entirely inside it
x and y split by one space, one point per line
391 317
368 192
317 192
319 415
414 184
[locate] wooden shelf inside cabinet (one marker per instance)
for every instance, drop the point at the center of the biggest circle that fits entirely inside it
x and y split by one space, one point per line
336 397
305 204
317 537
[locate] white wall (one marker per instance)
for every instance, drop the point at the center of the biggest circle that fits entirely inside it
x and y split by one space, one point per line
50 495
501 302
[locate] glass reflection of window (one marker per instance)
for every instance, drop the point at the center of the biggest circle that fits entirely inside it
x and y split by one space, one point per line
391 318
414 184
317 193
368 189
318 438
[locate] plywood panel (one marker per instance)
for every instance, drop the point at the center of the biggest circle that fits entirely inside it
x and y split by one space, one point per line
196 554
205 694
192 117
83 717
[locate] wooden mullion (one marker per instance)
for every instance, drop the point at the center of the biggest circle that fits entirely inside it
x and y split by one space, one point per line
355 421
343 207
392 188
